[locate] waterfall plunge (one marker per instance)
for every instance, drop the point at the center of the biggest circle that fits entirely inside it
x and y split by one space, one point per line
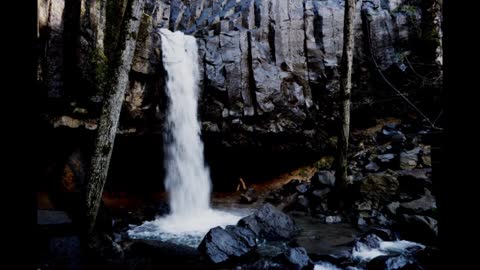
187 177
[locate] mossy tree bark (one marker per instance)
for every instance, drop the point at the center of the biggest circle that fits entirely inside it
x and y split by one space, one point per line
345 89
110 114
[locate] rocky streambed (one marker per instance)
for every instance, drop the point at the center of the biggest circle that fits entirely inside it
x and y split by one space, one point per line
389 220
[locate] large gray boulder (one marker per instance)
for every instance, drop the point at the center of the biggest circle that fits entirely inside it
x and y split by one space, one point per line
270 223
224 245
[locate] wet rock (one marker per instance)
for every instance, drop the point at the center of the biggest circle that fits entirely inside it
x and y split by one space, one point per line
221 246
250 196
372 167
369 240
386 158
363 206
323 179
415 181
302 188
387 161
390 263
361 222
429 258
409 159
245 235
333 219
320 193
157 253
392 207
384 233
382 220
303 203
274 197
271 249
418 228
426 204
389 133
380 187
415 174
425 156
270 223
297 258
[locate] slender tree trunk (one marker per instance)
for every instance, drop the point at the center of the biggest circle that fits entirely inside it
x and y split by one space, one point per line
345 87
108 122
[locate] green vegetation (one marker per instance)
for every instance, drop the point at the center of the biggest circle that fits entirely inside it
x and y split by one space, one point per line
99 62
325 163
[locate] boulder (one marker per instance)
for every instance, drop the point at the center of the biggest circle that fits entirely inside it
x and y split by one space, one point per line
384 233
245 235
370 240
426 156
380 188
270 223
372 167
415 181
418 228
409 159
392 207
221 246
302 188
323 179
426 204
297 259
151 254
320 193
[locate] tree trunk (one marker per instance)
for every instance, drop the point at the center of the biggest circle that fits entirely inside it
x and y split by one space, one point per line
432 31
110 114
345 87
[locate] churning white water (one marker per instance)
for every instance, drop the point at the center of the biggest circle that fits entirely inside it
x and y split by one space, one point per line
187 177
325 266
363 253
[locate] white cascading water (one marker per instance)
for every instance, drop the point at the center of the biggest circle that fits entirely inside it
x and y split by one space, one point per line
187 177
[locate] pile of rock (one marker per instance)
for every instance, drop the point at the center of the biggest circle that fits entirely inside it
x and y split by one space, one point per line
237 242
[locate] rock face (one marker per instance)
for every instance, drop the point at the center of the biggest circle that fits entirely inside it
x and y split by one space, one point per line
269 68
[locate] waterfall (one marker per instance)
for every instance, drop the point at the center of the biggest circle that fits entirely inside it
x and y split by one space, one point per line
187 178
